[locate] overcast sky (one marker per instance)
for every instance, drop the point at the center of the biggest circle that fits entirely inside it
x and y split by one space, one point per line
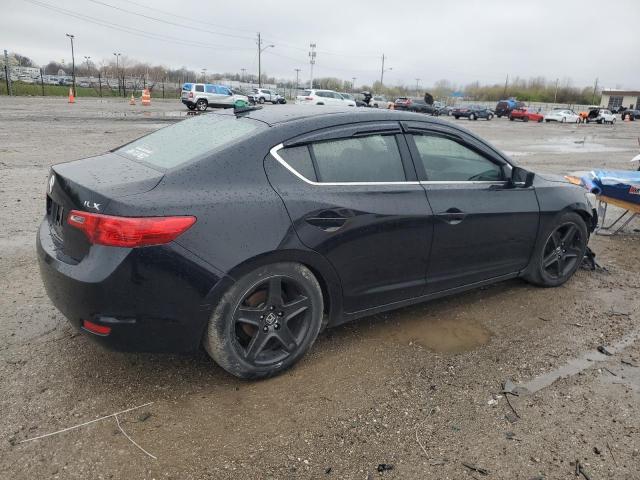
462 40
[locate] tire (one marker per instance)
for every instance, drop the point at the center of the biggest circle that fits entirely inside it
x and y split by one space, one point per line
202 105
539 120
511 118
191 107
456 117
258 329
561 265
489 117
547 120
613 122
564 120
499 116
261 100
525 119
472 116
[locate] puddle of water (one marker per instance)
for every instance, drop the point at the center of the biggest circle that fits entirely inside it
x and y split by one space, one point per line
451 334
577 365
577 144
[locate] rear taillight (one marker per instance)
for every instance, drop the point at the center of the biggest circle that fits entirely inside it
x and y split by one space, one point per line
408 102
95 328
190 94
308 98
129 231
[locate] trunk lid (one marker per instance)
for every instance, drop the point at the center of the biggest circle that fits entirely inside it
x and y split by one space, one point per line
90 185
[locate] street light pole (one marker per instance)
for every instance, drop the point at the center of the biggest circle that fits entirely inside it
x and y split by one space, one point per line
297 76
243 70
417 86
353 84
383 70
117 71
260 50
88 68
73 63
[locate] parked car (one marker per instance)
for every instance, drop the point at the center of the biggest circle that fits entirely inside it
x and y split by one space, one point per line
236 244
600 115
414 104
633 114
505 107
442 109
380 101
204 95
262 95
472 112
323 97
562 116
526 114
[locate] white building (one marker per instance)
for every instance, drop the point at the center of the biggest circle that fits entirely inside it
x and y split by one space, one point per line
614 99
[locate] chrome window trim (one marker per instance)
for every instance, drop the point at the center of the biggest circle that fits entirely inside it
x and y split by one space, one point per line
464 182
274 153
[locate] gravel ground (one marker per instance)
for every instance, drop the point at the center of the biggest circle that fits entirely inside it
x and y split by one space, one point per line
418 390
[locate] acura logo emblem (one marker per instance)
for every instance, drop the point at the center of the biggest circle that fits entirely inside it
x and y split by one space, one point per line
271 318
52 180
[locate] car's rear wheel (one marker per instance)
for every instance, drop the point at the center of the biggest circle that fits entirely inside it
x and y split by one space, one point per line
564 120
261 100
539 120
525 119
511 117
472 117
561 252
613 121
266 321
202 105
456 117
490 116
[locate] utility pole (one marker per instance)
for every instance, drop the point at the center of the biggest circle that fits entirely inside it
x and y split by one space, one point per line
88 68
312 62
297 76
7 73
506 83
117 55
204 75
42 82
595 88
260 50
243 70
353 84
417 86
382 71
555 95
73 63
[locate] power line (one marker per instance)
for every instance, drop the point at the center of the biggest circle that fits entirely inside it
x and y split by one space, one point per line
134 31
168 22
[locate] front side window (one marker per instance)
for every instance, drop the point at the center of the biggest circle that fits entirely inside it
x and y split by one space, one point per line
446 160
210 88
367 159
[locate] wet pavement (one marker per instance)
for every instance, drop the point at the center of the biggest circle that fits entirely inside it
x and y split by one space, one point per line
419 388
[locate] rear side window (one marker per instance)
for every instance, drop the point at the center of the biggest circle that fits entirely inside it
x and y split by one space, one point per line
299 158
199 88
446 160
189 139
368 159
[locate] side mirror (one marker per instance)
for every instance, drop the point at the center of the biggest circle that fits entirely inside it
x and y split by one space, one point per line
521 177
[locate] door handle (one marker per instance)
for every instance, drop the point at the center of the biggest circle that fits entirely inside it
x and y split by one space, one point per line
452 216
327 220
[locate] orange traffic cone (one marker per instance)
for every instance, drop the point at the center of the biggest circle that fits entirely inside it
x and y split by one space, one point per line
72 98
146 98
133 100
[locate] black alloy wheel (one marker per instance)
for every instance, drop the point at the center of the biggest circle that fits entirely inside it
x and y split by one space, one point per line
564 248
271 320
560 254
266 321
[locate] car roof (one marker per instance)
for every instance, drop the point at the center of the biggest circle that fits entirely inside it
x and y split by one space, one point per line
309 113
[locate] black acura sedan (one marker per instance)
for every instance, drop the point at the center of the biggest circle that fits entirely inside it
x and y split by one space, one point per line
250 231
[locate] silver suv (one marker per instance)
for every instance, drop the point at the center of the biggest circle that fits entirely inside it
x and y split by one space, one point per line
261 95
203 95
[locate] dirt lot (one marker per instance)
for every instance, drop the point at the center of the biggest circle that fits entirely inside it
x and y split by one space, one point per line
418 389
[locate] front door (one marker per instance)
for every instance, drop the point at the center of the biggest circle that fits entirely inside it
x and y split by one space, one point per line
353 196
483 227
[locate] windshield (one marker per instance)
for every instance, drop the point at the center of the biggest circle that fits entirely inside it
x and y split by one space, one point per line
186 140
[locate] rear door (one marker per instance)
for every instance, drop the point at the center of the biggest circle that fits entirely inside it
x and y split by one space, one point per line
483 228
353 196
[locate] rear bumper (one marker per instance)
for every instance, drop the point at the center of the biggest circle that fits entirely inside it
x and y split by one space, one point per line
155 299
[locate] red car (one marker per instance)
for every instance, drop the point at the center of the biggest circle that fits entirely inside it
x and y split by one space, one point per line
525 115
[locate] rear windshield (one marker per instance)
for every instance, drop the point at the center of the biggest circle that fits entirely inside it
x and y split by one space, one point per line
187 87
189 139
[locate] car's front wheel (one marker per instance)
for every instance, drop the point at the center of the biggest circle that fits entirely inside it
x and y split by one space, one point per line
489 117
266 321
560 253
472 117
